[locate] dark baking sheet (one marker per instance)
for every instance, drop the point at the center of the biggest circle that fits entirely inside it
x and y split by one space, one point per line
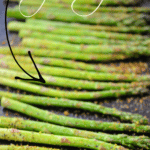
135 104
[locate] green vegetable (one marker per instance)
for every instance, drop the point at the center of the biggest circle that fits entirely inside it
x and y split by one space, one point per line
76 84
77 39
69 121
87 7
91 49
63 62
93 2
126 140
47 101
13 147
65 15
49 139
124 29
70 29
78 74
69 94
64 54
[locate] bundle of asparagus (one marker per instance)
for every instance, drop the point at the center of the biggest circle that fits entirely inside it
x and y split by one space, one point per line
91 49
36 89
61 40
132 50
79 74
45 101
67 63
49 139
60 29
69 121
129 141
76 84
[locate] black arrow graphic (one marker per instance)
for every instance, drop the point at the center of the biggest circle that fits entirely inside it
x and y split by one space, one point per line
33 78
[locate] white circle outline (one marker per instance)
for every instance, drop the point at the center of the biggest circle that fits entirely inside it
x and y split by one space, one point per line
88 14
34 13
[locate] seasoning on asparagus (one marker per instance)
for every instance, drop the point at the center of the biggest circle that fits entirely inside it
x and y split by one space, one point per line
70 94
49 139
91 49
125 140
76 84
70 121
66 63
66 103
78 74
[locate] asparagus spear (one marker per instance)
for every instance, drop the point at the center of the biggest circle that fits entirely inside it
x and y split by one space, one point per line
111 19
76 84
59 29
92 49
64 54
13 147
125 140
88 7
44 101
66 63
64 14
110 2
78 74
107 2
125 29
69 121
49 139
77 39
67 38
69 94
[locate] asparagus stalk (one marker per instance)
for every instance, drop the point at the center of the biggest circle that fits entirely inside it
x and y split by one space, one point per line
49 139
69 121
125 140
44 101
67 63
77 39
111 19
13 147
78 74
65 54
92 49
69 94
122 29
60 29
67 38
130 29
66 15
107 2
76 84
88 7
